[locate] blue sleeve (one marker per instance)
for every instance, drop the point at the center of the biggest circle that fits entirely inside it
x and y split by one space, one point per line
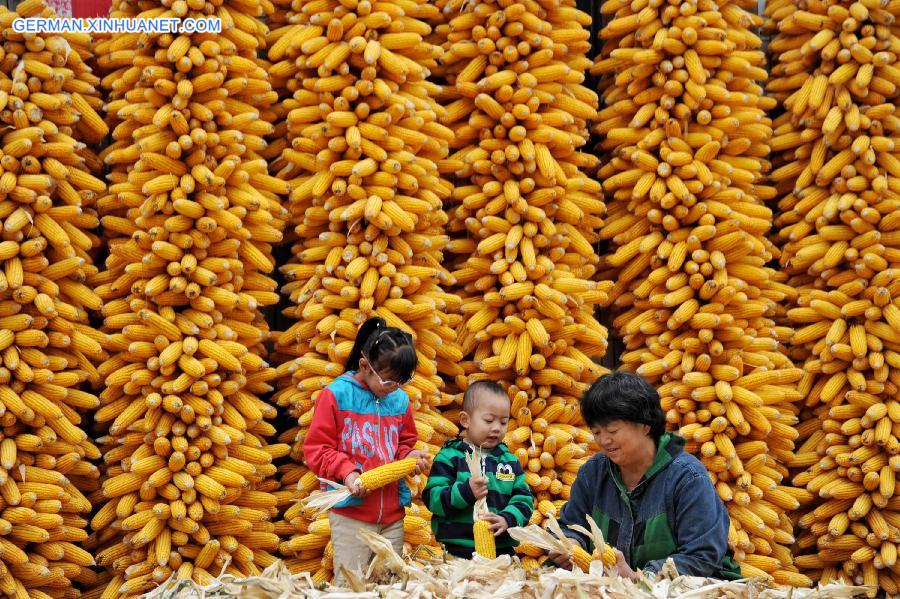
580 504
701 528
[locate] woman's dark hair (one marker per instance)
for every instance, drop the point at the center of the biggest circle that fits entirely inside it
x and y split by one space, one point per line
388 349
624 396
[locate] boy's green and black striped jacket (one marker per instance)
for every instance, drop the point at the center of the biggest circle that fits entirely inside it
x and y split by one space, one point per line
449 496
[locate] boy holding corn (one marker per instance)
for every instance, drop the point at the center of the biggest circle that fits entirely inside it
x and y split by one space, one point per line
452 491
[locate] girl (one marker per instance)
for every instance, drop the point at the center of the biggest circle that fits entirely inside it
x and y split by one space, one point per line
362 420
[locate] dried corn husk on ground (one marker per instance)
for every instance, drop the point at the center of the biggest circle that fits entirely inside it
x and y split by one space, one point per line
838 177
541 538
189 473
482 579
524 217
49 351
686 133
359 142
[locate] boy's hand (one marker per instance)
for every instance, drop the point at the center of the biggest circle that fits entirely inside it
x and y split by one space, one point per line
354 485
479 486
422 459
498 523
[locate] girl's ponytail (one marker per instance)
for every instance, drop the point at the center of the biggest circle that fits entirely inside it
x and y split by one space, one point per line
389 349
362 336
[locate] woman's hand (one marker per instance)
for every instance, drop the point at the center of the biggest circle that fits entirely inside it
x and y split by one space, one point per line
478 484
498 523
354 485
422 460
622 567
563 560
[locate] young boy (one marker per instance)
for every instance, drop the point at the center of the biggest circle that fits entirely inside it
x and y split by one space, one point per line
451 491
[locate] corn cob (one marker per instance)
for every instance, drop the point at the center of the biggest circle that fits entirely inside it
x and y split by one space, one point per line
191 218
372 479
837 175
48 348
358 139
387 474
484 539
685 133
582 558
523 220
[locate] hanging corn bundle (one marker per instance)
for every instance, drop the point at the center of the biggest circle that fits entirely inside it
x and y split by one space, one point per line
524 218
359 141
191 217
685 133
49 186
838 177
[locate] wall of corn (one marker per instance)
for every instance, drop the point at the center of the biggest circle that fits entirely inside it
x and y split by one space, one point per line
190 219
359 141
836 174
362 124
48 182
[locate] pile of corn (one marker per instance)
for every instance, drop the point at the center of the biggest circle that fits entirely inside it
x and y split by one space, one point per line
359 141
190 217
838 179
524 214
48 108
686 137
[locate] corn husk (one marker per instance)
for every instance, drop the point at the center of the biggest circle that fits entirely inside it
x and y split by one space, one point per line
594 534
322 501
473 461
553 539
541 537
390 577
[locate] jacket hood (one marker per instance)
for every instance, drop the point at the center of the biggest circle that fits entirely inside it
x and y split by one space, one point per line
669 447
350 378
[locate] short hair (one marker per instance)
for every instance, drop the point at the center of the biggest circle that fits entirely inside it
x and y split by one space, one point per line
624 396
470 401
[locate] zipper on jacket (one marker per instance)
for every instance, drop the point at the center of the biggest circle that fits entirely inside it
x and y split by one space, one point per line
378 433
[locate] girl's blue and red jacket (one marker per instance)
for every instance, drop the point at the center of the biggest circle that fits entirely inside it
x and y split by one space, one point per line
352 429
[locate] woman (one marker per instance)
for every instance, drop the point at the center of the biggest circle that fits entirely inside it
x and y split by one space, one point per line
651 499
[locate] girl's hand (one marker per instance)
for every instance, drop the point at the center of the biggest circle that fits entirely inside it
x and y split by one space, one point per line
622 567
422 460
498 523
478 486
354 485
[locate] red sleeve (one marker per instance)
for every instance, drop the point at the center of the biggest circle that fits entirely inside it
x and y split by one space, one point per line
408 433
320 449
